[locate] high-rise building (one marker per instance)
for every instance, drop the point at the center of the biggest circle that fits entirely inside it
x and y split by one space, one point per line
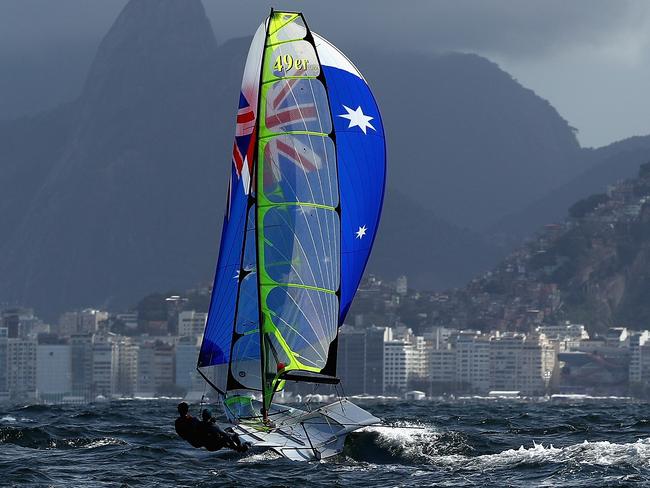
191 323
397 356
639 371
21 322
472 362
127 365
360 360
81 346
516 364
4 386
53 370
187 353
104 364
375 337
405 360
155 368
351 359
21 368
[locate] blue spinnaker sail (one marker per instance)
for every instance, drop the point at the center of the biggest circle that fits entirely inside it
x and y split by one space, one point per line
361 156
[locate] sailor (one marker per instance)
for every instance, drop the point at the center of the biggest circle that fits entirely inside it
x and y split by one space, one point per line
188 427
214 437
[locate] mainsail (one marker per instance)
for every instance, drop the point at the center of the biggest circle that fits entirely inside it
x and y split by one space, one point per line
304 200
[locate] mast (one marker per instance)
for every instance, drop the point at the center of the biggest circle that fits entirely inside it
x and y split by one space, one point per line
298 211
264 410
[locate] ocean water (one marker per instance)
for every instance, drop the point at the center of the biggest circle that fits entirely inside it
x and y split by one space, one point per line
475 442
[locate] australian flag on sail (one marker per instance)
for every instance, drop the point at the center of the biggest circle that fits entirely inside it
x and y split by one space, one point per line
243 147
288 155
361 160
292 105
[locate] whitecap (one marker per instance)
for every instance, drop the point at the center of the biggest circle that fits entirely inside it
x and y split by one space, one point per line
408 439
268 455
598 453
107 441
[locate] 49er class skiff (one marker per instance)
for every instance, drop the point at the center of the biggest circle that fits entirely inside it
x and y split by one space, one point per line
304 201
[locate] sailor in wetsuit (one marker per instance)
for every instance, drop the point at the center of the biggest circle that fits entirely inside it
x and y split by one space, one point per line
205 433
188 427
214 437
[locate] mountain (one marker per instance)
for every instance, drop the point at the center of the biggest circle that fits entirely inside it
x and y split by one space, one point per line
601 262
433 253
611 163
121 191
112 195
591 268
466 140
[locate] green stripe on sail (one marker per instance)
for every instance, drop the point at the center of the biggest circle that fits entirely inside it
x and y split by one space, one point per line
288 251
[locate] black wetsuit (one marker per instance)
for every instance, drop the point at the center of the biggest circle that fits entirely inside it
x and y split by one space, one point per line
189 428
214 437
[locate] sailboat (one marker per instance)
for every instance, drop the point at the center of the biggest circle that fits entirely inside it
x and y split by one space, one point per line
302 211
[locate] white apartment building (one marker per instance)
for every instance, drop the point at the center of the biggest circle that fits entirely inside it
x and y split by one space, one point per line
397 359
472 362
405 358
516 364
191 323
639 372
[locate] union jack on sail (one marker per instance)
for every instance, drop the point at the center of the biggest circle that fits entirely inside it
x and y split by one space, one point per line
243 147
290 106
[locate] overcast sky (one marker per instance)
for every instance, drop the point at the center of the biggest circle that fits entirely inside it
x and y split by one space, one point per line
589 58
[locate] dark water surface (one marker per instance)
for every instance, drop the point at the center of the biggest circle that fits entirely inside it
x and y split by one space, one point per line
586 443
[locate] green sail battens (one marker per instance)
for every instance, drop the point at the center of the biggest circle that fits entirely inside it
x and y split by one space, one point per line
271 337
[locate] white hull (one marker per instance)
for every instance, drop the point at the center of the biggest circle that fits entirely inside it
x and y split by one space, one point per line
307 436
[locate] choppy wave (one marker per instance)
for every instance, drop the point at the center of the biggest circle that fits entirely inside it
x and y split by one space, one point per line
447 443
416 444
587 453
40 438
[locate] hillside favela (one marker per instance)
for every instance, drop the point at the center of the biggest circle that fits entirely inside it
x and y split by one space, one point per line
562 315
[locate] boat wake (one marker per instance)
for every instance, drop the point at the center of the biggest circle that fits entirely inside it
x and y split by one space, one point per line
417 444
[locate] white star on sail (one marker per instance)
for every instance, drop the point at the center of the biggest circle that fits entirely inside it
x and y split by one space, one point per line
361 232
357 119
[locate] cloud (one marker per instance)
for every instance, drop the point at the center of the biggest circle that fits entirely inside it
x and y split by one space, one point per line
512 28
